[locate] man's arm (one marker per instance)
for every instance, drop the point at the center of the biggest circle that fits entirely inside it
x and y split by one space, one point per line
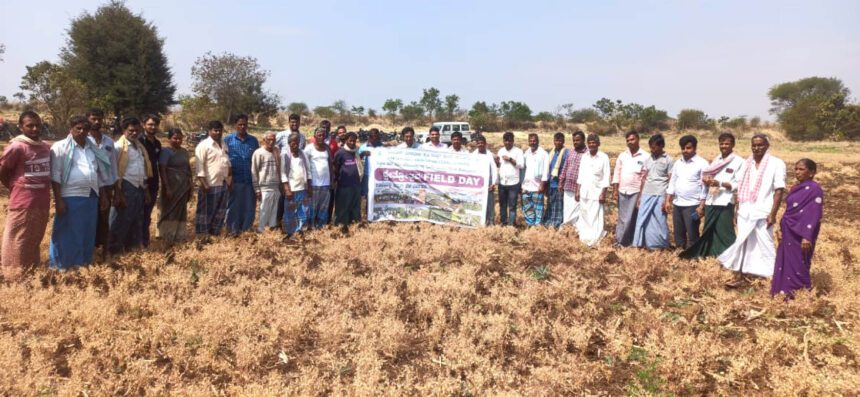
777 201
59 204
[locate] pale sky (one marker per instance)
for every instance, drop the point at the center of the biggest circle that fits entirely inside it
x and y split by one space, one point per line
717 56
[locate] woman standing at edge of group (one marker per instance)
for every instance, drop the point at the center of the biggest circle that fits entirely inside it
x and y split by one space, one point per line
81 173
174 168
25 169
799 229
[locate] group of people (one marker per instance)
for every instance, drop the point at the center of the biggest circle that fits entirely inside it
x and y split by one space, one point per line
105 191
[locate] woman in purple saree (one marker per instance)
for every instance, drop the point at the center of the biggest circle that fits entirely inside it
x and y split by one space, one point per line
799 228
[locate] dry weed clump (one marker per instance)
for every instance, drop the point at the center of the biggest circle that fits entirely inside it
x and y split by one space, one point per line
418 309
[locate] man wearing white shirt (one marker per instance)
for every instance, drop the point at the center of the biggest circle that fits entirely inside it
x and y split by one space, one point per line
434 143
408 138
457 143
591 184
721 178
319 161
685 196
760 190
534 181
511 162
494 177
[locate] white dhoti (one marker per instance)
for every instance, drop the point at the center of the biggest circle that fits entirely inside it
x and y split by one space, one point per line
269 209
753 251
590 223
570 209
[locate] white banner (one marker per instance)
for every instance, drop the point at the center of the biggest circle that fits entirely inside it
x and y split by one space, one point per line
423 185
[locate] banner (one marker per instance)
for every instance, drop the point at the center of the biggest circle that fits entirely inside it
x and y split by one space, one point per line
424 185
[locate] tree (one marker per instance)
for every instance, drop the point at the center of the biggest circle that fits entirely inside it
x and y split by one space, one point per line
325 112
840 117
299 108
692 119
452 103
515 113
51 86
358 111
119 58
411 112
430 101
392 106
234 84
811 108
484 116
2 51
371 113
342 110
584 115
544 116
787 95
197 111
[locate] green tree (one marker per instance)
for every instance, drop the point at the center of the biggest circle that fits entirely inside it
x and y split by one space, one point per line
430 101
119 58
197 111
484 116
411 112
392 106
452 104
515 113
325 112
299 108
692 119
840 117
802 108
584 115
785 96
2 51
358 111
234 84
545 117
51 86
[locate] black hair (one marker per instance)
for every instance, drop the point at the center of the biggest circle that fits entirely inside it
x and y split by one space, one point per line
325 122
95 112
150 116
533 135
726 135
688 139
434 128
215 125
340 127
374 131
348 135
456 134
657 140
407 129
123 125
508 136
810 165
28 113
173 131
240 116
75 120
593 137
631 132
295 116
480 138
580 133
558 135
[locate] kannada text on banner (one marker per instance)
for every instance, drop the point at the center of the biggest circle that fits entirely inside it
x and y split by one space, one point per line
422 185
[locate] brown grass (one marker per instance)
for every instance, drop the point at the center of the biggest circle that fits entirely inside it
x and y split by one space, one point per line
417 309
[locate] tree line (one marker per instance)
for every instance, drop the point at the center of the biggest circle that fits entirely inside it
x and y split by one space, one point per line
114 59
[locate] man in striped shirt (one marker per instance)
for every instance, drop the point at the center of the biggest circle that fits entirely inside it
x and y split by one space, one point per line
568 177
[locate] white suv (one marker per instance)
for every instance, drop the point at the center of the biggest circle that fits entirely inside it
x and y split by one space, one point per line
446 128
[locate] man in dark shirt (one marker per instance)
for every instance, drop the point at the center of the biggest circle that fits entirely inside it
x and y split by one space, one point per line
153 150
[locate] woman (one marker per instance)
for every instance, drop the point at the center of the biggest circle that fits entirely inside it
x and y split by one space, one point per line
799 229
176 184
347 174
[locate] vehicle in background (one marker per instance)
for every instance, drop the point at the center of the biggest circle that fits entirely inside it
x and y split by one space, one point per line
446 128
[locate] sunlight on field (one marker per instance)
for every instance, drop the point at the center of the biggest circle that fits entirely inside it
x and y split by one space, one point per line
417 309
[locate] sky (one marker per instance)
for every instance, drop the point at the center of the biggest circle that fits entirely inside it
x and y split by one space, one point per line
717 56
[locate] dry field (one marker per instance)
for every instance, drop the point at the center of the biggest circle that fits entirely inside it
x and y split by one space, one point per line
417 309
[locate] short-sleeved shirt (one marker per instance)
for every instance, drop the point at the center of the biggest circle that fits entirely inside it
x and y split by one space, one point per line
347 168
685 183
318 162
31 174
657 179
772 180
240 152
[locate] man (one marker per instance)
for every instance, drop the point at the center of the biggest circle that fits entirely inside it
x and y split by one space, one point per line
338 139
364 152
25 169
105 143
407 135
319 161
721 178
512 161
266 177
213 181
591 187
554 214
535 160
153 151
80 173
494 177
347 174
652 230
296 180
131 193
568 178
241 205
281 139
457 143
760 190
627 184
434 143
685 196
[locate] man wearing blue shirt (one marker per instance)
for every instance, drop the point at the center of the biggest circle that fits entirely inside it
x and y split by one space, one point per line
242 203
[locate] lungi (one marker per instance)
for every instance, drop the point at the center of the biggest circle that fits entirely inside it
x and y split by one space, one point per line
22 236
295 213
241 208
652 230
554 215
717 235
626 223
319 206
211 208
590 226
268 209
347 208
126 224
571 209
73 233
532 208
753 252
